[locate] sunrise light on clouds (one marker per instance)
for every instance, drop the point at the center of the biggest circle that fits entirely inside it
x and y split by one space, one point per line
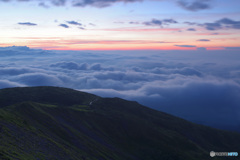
179 58
120 25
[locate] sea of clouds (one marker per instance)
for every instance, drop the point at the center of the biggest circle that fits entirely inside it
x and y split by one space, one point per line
200 86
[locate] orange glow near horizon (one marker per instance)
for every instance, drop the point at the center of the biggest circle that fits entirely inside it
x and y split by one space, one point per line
60 43
113 27
118 48
102 47
112 46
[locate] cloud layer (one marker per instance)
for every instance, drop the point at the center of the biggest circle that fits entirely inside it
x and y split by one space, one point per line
201 86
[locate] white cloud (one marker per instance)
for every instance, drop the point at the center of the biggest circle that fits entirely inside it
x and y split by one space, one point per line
38 79
9 84
202 88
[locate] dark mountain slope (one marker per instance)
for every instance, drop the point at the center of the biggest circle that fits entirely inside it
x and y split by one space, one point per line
50 95
64 124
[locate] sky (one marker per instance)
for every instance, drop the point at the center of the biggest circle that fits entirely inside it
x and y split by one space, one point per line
120 24
177 56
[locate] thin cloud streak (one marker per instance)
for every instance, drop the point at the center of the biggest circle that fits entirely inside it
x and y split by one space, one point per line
160 23
27 23
64 25
74 23
195 5
187 46
204 40
139 29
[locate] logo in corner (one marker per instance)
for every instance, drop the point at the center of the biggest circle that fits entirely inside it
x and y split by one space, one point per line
212 153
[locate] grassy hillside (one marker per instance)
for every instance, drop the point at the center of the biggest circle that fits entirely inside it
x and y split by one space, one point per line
51 123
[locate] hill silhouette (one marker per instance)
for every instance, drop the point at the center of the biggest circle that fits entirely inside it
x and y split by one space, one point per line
48 123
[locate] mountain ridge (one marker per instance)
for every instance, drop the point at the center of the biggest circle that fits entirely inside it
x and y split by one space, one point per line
59 123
